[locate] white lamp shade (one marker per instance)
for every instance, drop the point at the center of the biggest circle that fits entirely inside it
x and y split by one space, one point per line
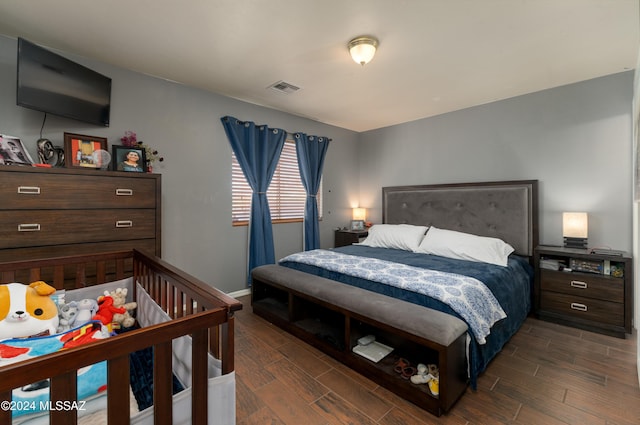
575 225
359 213
362 49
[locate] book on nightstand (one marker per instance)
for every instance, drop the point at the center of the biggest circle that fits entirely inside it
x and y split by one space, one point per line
606 251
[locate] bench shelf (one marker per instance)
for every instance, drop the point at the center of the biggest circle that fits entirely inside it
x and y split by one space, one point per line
335 330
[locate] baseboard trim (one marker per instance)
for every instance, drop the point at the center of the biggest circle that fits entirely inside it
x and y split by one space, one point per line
240 293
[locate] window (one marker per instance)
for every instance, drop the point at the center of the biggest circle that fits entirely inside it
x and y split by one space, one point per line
286 193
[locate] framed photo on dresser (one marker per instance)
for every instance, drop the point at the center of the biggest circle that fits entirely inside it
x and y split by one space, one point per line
13 152
80 150
127 158
357 225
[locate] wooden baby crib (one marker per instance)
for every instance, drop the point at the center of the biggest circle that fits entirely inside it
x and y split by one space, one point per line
193 308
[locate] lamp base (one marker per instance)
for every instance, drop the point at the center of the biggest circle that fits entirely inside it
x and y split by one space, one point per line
579 243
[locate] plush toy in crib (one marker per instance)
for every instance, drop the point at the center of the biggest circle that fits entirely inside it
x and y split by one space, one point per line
106 310
67 314
27 310
87 308
120 300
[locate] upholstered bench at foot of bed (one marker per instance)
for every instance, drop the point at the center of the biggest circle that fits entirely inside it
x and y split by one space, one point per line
432 329
424 322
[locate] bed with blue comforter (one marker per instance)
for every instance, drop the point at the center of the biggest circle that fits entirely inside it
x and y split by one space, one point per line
490 326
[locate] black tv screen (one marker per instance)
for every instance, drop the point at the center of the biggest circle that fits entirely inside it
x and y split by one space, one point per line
50 83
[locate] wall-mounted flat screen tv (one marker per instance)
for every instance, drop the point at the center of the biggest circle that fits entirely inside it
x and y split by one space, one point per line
50 83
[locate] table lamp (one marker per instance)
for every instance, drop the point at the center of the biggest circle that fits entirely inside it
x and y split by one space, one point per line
575 229
359 214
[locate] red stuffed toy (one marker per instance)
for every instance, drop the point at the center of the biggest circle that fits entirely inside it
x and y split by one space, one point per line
106 310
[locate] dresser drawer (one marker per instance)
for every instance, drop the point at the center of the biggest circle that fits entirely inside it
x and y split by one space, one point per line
605 312
37 252
592 286
21 190
53 227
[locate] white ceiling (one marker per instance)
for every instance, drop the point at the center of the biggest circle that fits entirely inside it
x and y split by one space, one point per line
435 56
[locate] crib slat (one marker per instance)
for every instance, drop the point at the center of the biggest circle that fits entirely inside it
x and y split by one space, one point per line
80 275
63 389
161 290
101 272
181 304
228 337
34 275
199 377
118 401
190 302
150 285
157 289
5 414
172 302
215 341
162 384
58 276
8 276
119 269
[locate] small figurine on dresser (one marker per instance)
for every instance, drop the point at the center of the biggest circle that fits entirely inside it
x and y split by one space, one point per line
49 154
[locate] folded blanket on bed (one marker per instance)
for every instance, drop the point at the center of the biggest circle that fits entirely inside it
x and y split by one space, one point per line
34 398
467 296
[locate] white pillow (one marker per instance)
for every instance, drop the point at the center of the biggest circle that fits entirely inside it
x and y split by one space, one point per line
396 236
465 246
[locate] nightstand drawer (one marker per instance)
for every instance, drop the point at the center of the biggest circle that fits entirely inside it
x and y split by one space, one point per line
605 312
583 285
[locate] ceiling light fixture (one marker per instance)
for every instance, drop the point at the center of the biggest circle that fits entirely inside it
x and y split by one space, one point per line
363 49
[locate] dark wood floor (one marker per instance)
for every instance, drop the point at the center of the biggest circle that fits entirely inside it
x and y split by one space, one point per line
547 374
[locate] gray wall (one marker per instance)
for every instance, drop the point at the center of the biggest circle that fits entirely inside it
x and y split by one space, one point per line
576 140
183 124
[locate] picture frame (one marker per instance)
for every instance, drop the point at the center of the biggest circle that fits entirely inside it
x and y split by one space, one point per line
13 151
79 150
122 162
357 225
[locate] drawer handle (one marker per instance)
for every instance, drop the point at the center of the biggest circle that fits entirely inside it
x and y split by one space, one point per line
578 306
579 284
124 192
124 223
29 227
29 190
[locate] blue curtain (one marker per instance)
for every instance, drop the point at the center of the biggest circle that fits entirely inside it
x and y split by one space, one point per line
257 149
311 151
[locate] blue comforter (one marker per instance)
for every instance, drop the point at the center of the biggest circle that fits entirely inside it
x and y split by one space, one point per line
510 285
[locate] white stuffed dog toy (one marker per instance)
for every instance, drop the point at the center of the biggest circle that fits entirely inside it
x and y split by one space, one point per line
27 310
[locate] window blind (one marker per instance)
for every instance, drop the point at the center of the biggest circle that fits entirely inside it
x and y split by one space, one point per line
286 193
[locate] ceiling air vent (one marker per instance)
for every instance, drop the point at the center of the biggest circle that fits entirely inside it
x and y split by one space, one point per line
284 87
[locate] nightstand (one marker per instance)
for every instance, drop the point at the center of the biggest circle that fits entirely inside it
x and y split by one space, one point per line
588 291
347 237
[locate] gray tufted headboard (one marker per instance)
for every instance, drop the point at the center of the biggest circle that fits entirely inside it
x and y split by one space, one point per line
507 210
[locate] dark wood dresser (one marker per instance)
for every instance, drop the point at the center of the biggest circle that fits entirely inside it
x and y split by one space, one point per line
67 211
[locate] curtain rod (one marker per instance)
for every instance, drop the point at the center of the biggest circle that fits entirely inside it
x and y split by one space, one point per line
292 134
288 133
